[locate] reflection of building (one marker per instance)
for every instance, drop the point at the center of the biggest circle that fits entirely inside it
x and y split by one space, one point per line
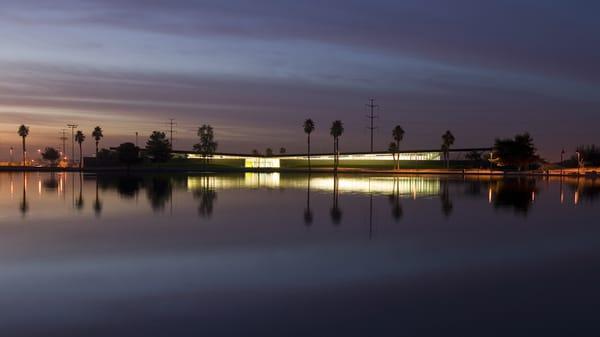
401 186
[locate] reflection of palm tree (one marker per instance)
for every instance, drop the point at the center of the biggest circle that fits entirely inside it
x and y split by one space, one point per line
207 196
97 202
335 212
24 205
308 215
447 205
79 202
394 198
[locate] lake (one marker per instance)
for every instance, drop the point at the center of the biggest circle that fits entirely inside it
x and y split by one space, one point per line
287 255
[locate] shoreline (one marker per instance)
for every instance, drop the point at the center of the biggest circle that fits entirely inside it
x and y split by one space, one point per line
585 173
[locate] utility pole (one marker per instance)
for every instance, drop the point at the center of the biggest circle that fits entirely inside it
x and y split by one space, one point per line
372 106
136 139
171 124
64 138
72 127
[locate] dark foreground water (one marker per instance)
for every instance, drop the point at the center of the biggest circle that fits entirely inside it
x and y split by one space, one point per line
279 255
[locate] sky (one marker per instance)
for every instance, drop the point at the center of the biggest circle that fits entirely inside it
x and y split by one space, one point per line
255 70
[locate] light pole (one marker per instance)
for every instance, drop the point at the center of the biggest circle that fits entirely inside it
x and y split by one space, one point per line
72 127
578 162
11 155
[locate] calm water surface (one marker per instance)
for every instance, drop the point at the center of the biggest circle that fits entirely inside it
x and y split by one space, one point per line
285 255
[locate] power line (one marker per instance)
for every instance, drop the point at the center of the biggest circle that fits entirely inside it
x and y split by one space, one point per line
64 138
372 106
171 125
72 127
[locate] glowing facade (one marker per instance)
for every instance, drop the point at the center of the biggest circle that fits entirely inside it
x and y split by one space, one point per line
255 161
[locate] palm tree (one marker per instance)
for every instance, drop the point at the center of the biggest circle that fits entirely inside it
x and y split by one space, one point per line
97 134
309 127
23 133
398 135
337 128
447 141
80 138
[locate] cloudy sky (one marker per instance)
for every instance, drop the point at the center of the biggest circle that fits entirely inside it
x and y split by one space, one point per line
256 69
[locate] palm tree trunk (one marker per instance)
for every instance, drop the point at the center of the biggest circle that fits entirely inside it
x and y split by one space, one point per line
24 164
80 157
309 167
97 149
398 154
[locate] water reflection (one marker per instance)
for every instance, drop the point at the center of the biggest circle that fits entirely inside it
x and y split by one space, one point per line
159 192
97 201
79 203
308 215
447 205
517 194
24 205
335 212
205 191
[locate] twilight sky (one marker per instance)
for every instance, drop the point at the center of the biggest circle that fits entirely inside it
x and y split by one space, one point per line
256 69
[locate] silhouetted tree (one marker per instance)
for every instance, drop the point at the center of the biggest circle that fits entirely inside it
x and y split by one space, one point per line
269 152
98 135
518 152
128 154
255 152
23 133
309 127
398 135
80 138
282 150
336 131
158 147
51 155
105 154
447 141
207 144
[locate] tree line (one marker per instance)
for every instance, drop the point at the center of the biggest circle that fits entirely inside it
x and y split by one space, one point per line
518 152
